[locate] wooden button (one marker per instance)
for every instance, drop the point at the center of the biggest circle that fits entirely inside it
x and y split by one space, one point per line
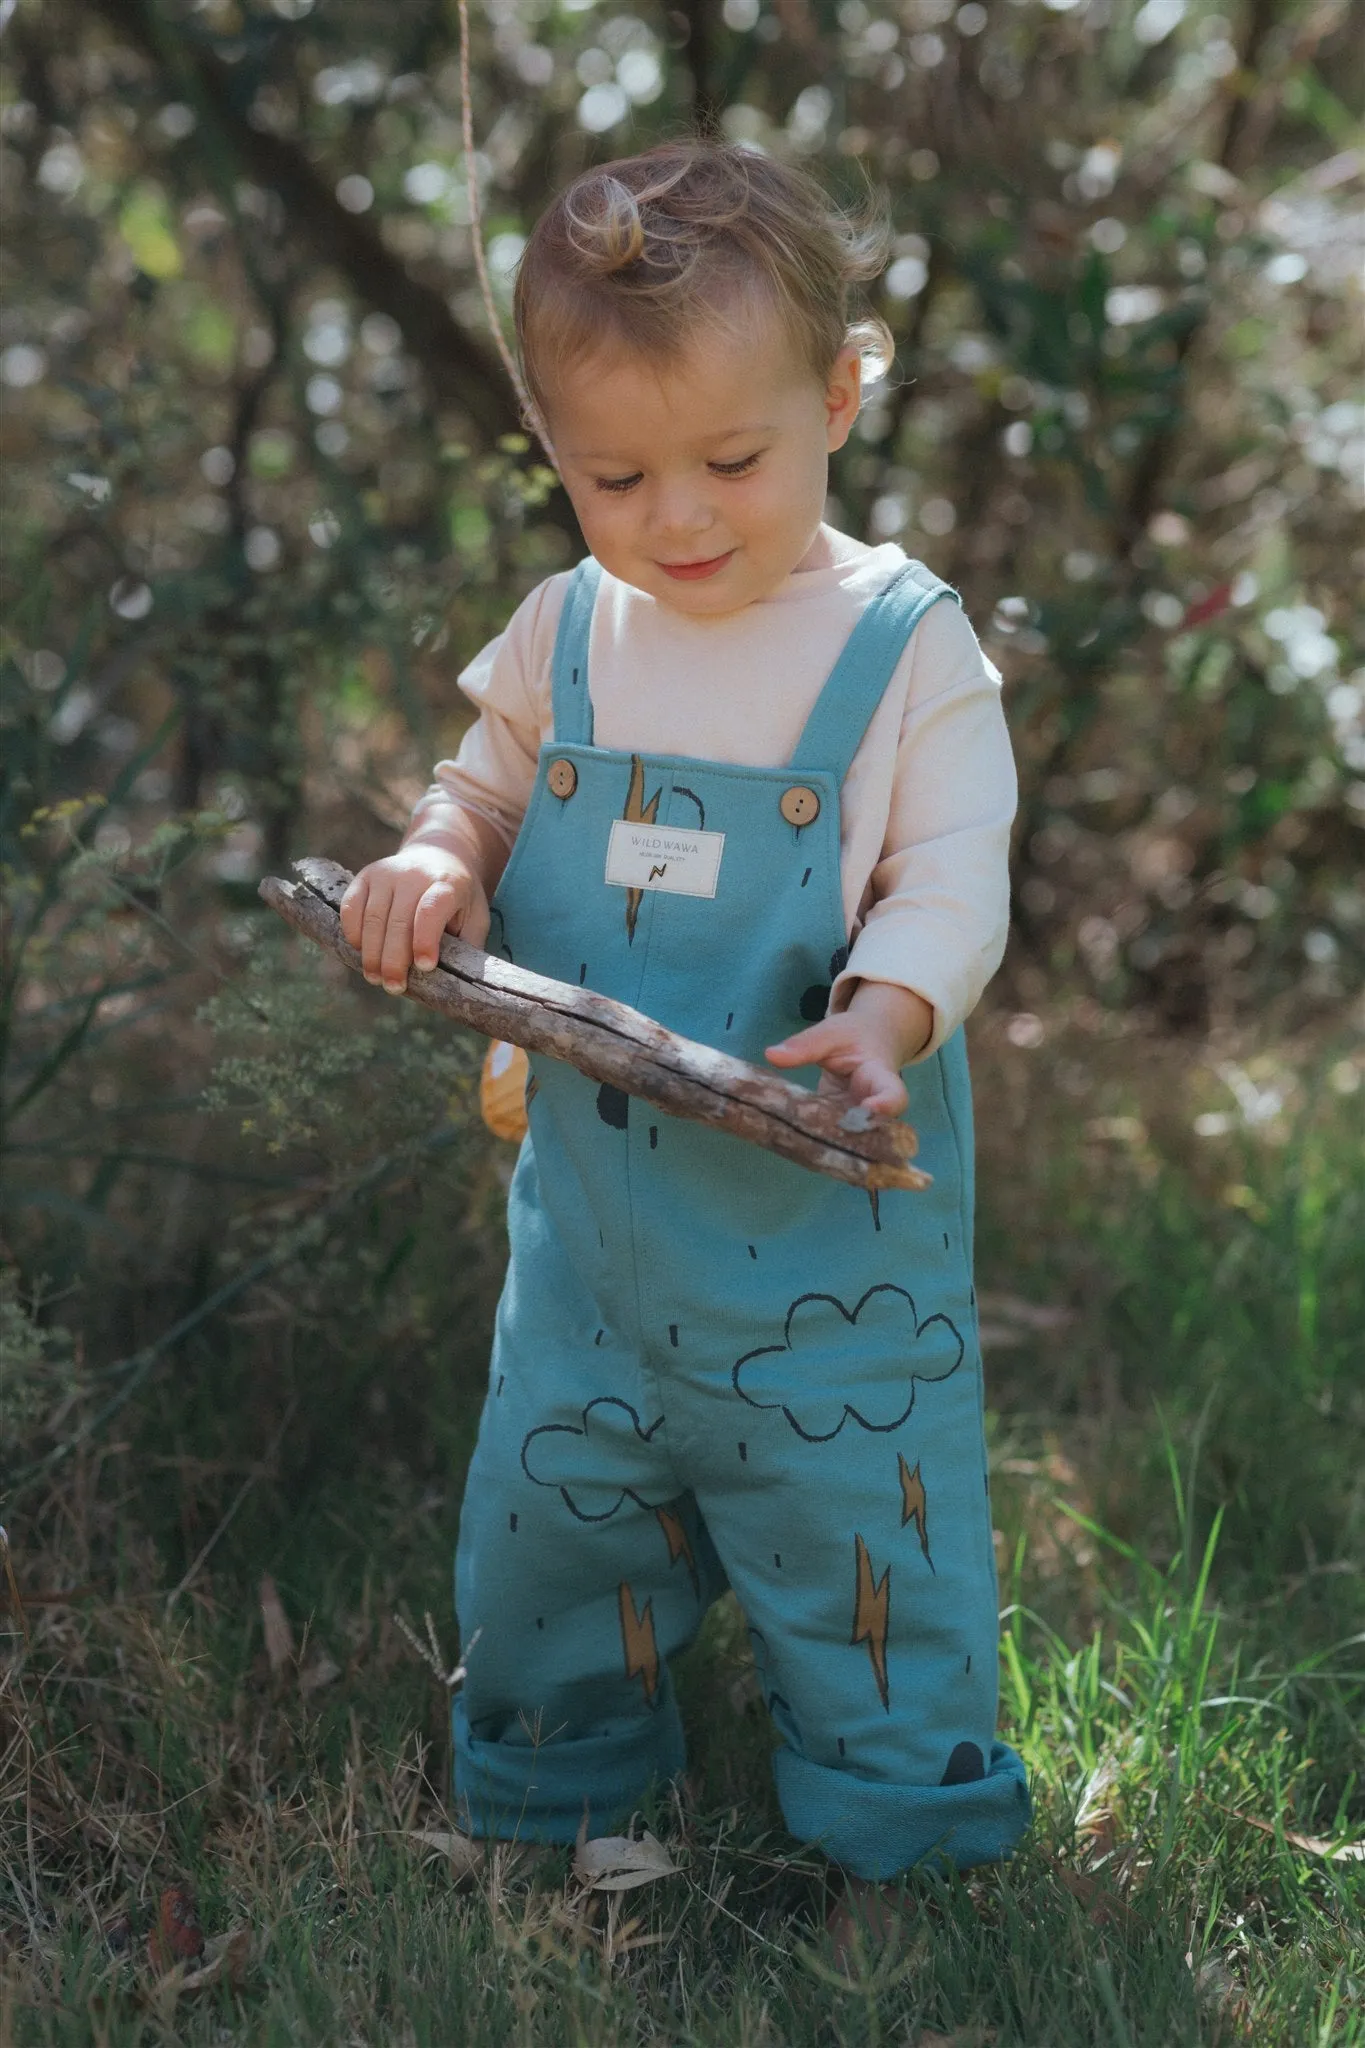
563 779
799 805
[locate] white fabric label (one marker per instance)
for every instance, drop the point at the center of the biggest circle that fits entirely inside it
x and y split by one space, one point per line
664 857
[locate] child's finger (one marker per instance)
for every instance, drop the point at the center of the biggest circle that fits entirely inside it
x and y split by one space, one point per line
877 1088
807 1048
352 909
436 909
374 925
396 957
475 922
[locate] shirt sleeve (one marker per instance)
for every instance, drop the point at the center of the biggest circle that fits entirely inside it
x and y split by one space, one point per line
508 684
938 913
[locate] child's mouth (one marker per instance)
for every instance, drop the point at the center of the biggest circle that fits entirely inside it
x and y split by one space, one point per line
692 572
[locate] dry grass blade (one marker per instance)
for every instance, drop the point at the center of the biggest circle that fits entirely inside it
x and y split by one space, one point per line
279 1636
464 1855
621 1863
319 1671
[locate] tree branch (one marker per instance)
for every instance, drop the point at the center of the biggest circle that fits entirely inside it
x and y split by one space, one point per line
622 1048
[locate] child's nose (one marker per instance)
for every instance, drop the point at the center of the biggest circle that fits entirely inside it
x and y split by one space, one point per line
681 508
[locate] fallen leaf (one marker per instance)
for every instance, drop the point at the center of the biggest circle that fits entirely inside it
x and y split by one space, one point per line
1311 1845
1340 1852
618 1863
320 1670
279 1637
1100 1833
1103 1906
465 1855
177 1936
225 1959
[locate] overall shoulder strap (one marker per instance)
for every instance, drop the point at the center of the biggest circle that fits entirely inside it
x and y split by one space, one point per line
569 673
843 710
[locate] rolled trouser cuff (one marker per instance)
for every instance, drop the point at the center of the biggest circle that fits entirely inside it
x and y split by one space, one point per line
527 1792
878 1830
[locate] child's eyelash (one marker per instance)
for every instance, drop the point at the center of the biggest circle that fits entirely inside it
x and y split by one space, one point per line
628 483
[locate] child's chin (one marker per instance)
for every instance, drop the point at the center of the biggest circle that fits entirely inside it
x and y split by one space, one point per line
729 590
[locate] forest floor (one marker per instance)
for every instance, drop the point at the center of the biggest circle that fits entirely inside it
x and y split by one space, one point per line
221 1698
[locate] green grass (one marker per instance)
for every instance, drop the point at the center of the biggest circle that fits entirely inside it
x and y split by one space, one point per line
1178 1483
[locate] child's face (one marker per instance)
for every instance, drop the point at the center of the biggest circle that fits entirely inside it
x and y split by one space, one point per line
702 481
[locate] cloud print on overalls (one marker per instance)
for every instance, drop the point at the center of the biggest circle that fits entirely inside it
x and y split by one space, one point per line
573 1460
799 1375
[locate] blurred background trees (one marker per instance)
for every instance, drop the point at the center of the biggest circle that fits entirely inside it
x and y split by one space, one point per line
265 489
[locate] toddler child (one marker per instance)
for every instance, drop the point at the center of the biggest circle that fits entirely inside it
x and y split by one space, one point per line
751 777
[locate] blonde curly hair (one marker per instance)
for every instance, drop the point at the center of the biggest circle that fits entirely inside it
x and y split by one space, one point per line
639 254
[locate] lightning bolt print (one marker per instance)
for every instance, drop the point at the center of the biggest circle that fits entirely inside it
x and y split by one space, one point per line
655 873
637 812
871 1615
637 1640
675 1536
915 1507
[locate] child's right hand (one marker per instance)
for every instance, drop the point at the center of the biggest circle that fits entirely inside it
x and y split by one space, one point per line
396 910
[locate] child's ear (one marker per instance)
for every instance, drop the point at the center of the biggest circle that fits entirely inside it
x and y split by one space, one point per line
843 395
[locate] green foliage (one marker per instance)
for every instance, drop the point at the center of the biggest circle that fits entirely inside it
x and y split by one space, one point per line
39 1376
301 1071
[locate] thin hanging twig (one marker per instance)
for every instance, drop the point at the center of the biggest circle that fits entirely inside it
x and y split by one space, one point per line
528 405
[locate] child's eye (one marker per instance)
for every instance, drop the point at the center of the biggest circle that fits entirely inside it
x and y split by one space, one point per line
741 468
617 483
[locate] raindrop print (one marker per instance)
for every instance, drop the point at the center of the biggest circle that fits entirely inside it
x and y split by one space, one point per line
613 1106
966 1765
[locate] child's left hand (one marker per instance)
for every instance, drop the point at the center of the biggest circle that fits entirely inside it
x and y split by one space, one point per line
864 1047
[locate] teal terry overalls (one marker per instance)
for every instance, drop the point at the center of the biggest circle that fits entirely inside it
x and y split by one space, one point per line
711 1364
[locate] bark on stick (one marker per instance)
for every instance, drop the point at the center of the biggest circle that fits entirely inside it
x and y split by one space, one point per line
612 1043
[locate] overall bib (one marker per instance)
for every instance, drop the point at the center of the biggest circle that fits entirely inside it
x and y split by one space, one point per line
713 1366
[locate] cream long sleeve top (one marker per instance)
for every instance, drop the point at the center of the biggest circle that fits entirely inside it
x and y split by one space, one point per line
927 802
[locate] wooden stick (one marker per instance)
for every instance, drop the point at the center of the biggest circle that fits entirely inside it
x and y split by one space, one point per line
611 1043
